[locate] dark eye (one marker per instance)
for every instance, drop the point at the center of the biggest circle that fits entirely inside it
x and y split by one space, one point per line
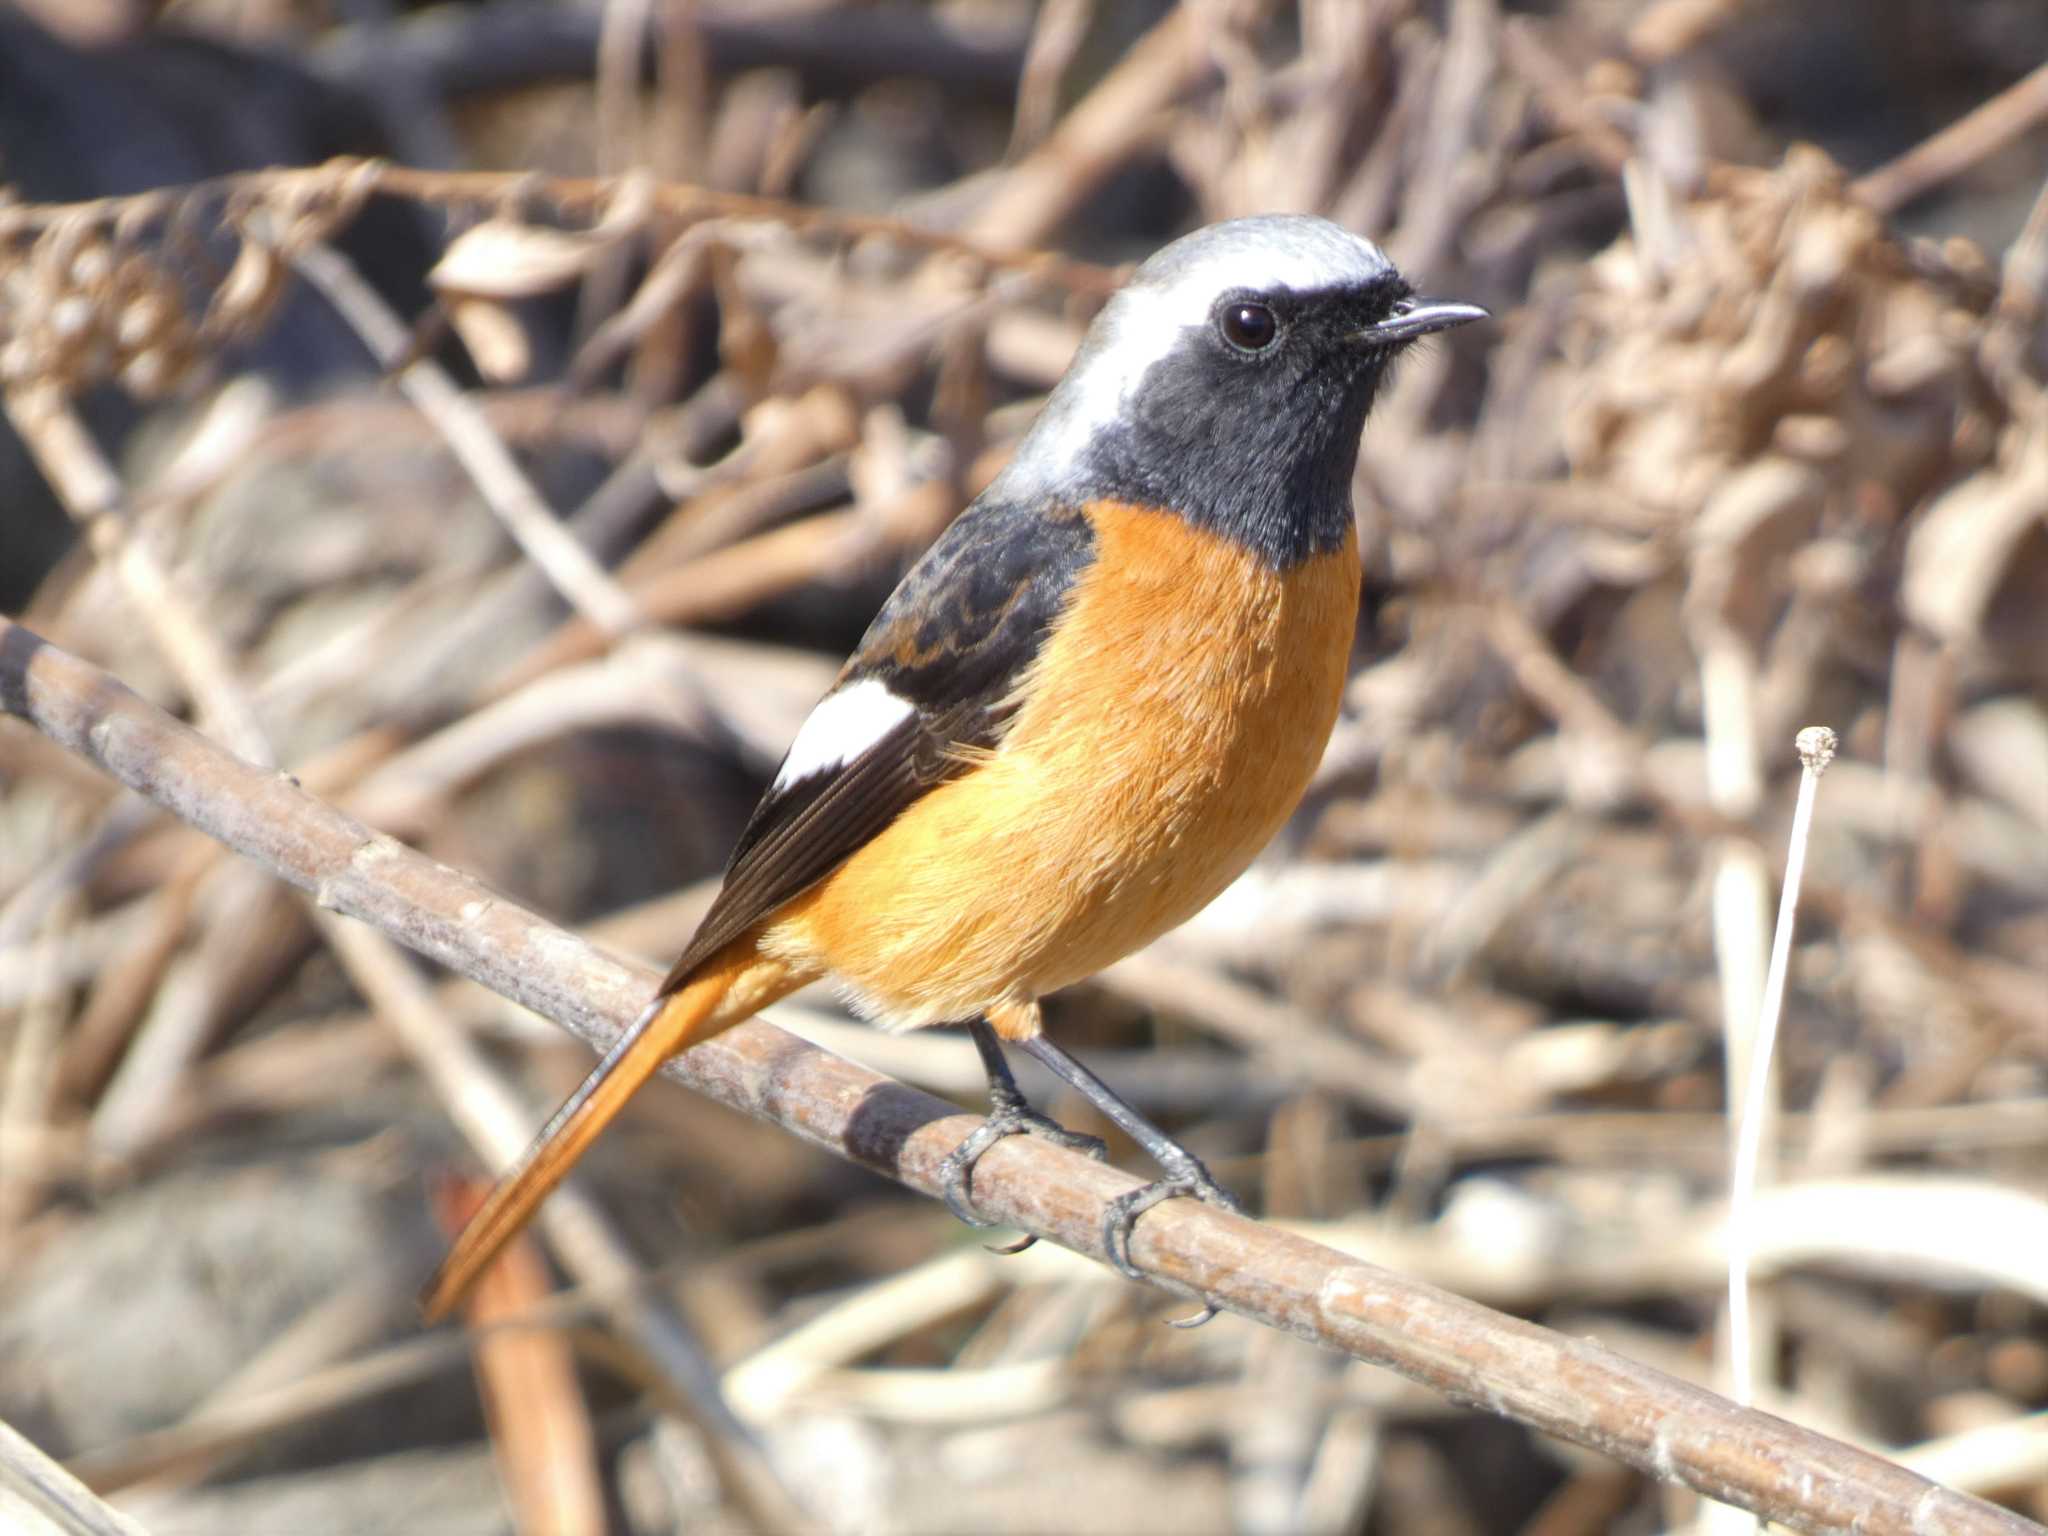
1249 327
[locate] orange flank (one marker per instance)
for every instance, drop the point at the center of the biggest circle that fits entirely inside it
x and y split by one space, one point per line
1164 733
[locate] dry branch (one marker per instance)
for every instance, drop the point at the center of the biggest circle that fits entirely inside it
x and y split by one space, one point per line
1563 1386
586 585
309 202
33 1487
1986 128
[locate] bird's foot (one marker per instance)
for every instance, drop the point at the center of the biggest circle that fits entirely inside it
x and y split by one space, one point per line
1006 1117
1189 1178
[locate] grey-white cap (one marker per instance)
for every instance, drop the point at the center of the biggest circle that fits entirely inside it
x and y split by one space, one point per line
1172 293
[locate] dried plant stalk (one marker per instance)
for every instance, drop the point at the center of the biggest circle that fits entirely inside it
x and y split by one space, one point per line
1563 1386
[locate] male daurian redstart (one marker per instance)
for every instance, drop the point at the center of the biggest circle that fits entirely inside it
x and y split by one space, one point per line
1081 713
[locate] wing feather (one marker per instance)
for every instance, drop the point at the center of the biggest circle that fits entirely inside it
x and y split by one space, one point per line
952 642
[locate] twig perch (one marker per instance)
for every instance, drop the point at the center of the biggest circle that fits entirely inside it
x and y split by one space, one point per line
1565 1387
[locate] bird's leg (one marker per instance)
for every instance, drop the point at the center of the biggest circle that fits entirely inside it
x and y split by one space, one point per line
1185 1174
1009 1114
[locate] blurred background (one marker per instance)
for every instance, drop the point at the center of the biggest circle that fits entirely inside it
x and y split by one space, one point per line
1757 440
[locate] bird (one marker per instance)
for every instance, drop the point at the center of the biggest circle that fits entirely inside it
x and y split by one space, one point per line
1079 716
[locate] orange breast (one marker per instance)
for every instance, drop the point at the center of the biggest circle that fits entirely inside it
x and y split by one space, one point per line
1165 732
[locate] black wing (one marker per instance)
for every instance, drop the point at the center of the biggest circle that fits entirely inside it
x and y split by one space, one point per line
951 642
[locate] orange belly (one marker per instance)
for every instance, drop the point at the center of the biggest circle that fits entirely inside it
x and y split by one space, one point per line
1166 731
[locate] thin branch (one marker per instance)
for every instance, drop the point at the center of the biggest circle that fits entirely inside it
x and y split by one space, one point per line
1816 751
247 1419
508 45
585 584
341 183
1097 135
91 492
30 1482
1565 1387
1980 132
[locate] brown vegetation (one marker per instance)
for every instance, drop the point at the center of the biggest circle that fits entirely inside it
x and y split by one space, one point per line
1758 440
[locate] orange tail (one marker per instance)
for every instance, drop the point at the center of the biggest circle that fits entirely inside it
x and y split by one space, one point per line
672 1023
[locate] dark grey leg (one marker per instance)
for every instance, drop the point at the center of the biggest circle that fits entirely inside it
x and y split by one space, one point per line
1185 1174
1009 1114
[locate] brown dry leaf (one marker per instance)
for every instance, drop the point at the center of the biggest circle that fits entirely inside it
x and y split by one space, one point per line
494 338
505 259
1977 566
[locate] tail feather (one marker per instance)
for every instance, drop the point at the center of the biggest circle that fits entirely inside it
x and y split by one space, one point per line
672 1023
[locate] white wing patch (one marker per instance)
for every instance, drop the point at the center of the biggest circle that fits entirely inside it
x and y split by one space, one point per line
844 725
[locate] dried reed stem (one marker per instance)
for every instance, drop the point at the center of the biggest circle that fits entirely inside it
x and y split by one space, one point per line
1566 1387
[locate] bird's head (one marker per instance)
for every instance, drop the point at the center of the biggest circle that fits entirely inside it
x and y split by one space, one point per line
1229 381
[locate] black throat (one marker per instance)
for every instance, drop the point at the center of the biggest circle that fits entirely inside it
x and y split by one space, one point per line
1261 456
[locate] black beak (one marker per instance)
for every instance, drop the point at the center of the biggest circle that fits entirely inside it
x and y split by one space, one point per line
1413 317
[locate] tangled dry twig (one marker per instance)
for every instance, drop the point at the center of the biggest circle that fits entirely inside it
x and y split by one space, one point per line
1566 1387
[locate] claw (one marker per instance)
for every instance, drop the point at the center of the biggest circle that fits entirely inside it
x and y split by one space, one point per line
1121 1218
956 1173
1185 1174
